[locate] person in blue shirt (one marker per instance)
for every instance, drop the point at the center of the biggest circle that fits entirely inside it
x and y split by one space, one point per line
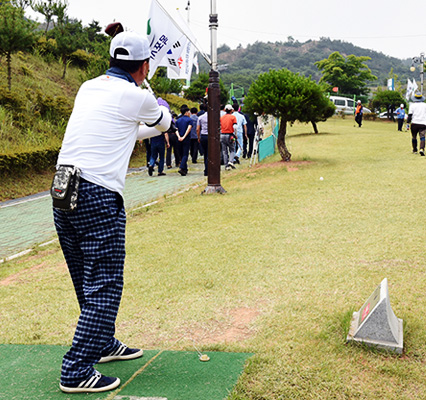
184 126
194 137
400 115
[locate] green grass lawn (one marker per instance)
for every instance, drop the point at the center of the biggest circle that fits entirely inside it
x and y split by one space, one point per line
275 267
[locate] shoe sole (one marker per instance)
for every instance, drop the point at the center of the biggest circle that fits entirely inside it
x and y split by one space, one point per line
121 358
67 389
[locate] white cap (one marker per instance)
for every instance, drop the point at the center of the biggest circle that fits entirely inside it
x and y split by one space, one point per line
359 101
402 105
135 45
228 107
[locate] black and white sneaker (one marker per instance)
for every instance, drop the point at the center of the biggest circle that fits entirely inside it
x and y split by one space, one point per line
96 383
122 353
422 152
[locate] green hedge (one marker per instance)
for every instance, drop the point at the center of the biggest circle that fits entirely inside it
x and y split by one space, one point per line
36 160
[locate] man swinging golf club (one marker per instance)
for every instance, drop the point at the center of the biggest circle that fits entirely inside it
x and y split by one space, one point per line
99 139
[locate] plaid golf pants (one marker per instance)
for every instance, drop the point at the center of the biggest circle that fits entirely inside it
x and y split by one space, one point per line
92 239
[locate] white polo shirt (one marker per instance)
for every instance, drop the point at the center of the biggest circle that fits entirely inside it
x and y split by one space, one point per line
103 129
419 113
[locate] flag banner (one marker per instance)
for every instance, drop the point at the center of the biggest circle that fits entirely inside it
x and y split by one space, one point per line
173 59
195 62
185 63
162 35
409 89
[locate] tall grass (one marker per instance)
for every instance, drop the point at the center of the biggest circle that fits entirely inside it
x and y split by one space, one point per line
275 267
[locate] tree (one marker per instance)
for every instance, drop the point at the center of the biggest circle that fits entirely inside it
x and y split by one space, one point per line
197 90
387 99
289 97
16 34
69 36
22 3
45 8
161 84
349 74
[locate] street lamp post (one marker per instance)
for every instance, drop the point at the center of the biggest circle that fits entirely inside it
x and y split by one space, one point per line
213 110
420 60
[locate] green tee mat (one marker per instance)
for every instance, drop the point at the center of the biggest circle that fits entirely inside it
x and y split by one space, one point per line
32 372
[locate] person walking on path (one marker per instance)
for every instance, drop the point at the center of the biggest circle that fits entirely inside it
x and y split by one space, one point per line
241 132
400 115
202 133
228 126
194 136
158 146
100 136
358 113
251 132
158 149
174 145
417 119
184 126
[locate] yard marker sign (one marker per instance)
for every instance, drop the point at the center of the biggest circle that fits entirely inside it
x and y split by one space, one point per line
375 324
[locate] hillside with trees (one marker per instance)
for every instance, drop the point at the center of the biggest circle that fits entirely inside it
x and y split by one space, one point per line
241 66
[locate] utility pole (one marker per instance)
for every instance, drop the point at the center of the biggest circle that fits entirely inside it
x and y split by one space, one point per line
213 110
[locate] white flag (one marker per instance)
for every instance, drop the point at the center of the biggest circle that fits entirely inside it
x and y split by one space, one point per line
185 63
414 86
195 62
409 89
173 59
162 35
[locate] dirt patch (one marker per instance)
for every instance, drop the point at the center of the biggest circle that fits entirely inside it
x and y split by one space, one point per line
290 165
27 274
237 328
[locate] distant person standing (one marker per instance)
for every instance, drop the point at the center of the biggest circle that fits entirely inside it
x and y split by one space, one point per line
417 119
251 132
174 145
400 116
358 113
202 110
194 137
184 126
241 132
228 127
202 133
158 148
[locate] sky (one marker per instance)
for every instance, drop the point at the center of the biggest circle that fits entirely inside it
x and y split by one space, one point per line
388 26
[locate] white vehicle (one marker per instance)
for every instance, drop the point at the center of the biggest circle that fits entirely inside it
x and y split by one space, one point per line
346 106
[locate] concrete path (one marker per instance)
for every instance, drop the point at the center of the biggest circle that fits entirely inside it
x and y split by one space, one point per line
27 222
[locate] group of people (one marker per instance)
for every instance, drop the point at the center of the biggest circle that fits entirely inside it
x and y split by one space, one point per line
189 137
416 120
237 134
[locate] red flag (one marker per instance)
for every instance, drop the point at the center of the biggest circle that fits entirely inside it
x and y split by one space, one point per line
335 89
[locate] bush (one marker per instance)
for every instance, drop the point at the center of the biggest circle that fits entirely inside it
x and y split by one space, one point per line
370 116
45 46
36 160
81 58
12 101
53 108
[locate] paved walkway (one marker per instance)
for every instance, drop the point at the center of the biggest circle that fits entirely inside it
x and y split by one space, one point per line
29 221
